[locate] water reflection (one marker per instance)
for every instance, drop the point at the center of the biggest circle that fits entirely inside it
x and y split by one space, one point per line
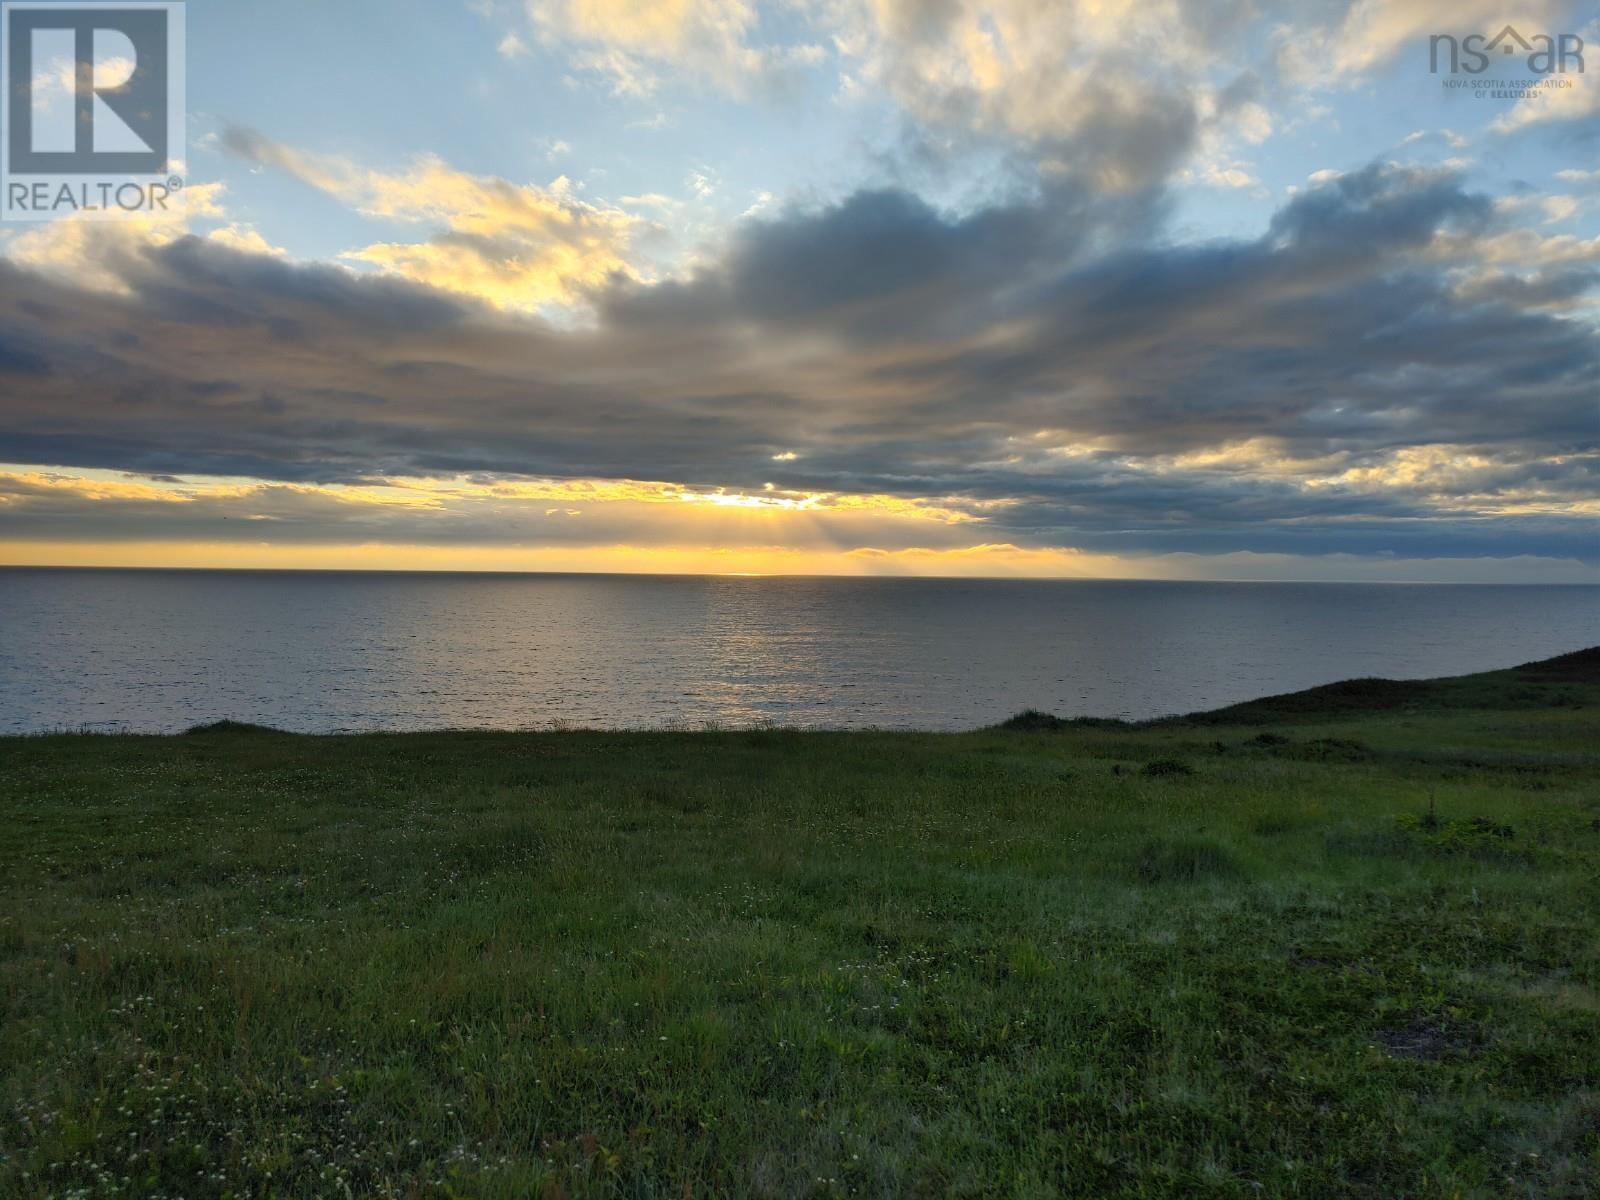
163 650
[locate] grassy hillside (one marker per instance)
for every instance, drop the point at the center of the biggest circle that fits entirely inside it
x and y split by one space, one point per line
1343 943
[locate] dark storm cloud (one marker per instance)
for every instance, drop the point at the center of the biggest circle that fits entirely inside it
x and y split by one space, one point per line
881 265
1048 354
19 359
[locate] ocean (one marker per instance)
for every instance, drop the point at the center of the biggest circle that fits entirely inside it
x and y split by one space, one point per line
158 651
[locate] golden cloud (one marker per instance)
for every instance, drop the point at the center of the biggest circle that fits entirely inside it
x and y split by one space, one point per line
513 245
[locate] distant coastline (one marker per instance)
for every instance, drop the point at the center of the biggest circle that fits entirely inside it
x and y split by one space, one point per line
1565 681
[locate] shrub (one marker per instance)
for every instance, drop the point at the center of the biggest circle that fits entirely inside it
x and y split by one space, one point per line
227 726
1032 720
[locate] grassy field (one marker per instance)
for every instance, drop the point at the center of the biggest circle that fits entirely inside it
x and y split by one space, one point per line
1340 944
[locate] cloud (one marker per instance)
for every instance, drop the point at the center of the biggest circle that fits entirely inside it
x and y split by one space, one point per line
1125 95
517 246
1232 175
1111 91
64 517
540 513
1118 91
95 253
1552 209
710 41
1052 374
246 238
1373 31
1577 99
1447 137
703 183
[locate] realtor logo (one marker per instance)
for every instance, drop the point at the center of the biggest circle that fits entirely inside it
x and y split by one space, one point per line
91 109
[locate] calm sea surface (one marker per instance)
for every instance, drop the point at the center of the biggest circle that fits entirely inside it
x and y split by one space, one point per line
162 650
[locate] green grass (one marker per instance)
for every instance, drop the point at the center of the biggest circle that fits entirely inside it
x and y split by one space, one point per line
1301 948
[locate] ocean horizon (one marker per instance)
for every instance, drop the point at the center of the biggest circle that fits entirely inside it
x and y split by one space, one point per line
160 650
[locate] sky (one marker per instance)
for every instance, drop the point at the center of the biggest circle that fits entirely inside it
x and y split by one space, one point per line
1236 290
